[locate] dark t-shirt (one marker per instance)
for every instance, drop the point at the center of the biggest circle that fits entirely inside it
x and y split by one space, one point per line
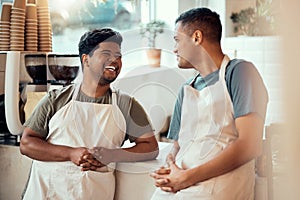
245 86
137 122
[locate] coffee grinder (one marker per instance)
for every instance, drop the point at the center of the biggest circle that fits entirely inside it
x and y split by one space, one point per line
36 67
63 68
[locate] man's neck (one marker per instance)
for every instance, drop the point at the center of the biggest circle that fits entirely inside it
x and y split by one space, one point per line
94 90
211 61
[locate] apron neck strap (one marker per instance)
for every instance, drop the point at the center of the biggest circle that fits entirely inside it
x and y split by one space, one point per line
193 81
114 96
76 91
224 64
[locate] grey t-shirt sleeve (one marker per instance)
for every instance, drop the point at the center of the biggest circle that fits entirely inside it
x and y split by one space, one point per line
39 119
137 121
176 117
247 90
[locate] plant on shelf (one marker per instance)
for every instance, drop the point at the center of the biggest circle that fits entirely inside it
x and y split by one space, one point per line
255 21
244 21
150 31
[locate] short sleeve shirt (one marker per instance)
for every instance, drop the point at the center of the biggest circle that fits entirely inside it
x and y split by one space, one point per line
137 121
245 86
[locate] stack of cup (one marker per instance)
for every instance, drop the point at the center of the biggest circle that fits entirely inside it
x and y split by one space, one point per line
44 26
17 25
31 28
5 27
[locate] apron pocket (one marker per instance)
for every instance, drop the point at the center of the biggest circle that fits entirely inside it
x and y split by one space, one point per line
69 182
65 182
99 185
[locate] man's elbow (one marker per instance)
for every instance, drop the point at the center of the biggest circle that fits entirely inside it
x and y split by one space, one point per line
153 150
154 153
23 146
26 142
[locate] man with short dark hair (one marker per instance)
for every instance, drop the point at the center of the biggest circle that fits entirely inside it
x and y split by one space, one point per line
218 120
75 134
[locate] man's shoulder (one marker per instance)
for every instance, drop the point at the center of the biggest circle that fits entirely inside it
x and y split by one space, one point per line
123 98
238 65
240 68
62 95
122 94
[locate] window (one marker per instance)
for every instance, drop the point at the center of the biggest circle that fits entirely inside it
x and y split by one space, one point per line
70 19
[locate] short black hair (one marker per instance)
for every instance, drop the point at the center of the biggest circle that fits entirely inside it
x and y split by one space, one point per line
89 41
203 19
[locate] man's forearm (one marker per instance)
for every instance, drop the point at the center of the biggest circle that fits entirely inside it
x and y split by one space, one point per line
139 152
145 149
38 149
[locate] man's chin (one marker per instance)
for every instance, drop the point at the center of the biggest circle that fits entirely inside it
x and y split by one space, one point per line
106 81
184 64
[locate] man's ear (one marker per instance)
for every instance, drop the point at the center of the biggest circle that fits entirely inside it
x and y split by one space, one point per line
84 59
197 36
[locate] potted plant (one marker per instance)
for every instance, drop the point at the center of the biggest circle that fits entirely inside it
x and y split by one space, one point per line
150 31
244 21
255 21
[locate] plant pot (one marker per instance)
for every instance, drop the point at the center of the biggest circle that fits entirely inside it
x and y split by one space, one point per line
154 57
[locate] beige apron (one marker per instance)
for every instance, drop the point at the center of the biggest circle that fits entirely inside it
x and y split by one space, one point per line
207 127
79 124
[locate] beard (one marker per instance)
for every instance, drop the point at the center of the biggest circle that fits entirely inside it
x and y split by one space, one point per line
184 64
106 80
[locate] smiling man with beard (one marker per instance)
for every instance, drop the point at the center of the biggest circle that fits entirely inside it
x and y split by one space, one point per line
74 134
